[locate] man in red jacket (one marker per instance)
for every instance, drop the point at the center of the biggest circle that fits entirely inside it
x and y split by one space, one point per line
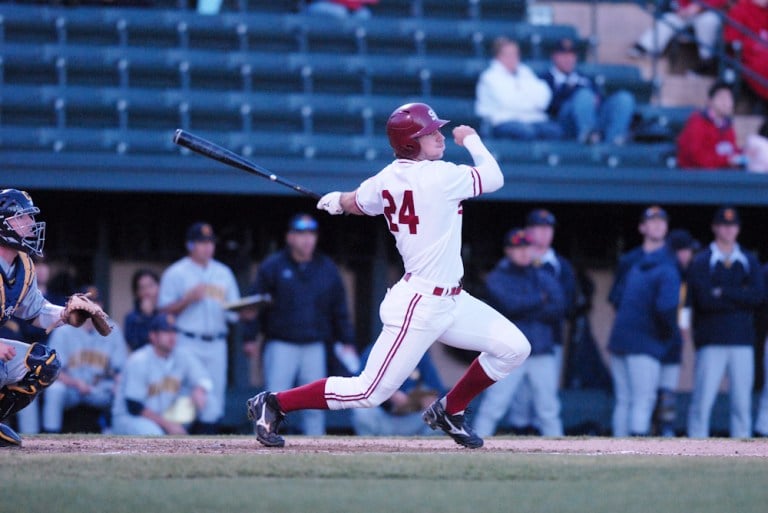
708 139
753 16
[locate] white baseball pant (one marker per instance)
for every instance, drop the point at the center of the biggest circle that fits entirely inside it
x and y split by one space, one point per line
413 320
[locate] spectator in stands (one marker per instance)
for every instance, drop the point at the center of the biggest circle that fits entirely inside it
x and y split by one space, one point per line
90 367
512 99
163 388
683 246
708 140
581 108
307 315
752 35
685 14
756 150
145 285
532 299
400 415
540 227
342 8
645 328
725 287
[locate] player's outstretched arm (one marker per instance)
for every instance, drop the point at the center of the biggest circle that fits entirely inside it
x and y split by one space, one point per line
336 203
486 165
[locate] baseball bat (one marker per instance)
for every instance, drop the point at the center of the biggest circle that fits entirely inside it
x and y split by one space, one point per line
214 151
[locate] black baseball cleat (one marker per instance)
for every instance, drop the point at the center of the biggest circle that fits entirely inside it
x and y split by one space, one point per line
265 413
9 437
436 417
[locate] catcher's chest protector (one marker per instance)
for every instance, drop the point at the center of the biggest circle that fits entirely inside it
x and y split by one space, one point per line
14 289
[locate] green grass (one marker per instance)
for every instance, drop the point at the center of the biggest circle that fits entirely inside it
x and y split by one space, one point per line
316 483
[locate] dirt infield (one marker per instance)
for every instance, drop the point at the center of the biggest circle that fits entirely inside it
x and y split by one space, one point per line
351 445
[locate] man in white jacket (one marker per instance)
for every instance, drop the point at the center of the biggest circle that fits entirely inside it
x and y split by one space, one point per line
512 99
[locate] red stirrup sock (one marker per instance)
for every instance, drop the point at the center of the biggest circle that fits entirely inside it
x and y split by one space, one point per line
305 397
474 381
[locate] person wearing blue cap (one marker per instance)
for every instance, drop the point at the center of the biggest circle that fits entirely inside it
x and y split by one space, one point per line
163 388
307 317
195 289
581 106
725 287
532 299
540 226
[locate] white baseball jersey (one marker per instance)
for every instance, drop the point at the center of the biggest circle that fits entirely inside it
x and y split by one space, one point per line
422 203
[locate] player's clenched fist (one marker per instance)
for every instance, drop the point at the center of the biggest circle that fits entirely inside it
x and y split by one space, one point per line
331 203
461 132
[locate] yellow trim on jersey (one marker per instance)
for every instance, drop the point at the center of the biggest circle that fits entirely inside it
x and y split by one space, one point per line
29 276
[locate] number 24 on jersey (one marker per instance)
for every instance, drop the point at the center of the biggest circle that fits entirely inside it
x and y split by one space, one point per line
405 212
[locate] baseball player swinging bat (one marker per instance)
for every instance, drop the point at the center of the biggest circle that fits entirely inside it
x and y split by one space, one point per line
214 151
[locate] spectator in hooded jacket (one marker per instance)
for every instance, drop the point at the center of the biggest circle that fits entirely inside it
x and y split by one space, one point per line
725 287
512 99
644 331
708 140
533 300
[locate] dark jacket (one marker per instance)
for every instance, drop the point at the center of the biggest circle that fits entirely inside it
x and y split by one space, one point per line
563 92
137 328
674 354
529 297
308 300
566 277
646 319
626 261
724 300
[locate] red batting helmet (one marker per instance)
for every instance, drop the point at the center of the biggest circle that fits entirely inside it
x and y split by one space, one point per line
407 123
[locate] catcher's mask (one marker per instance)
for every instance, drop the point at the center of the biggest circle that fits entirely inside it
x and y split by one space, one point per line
18 228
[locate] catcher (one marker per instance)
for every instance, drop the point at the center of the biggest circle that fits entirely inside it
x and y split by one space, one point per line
25 370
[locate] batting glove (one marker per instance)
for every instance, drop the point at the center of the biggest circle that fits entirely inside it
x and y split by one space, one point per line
331 203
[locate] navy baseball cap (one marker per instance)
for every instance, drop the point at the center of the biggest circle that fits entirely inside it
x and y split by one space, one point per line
565 45
682 239
302 223
199 232
540 217
516 238
162 322
726 215
653 212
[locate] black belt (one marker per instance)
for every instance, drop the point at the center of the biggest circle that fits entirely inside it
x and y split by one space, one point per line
204 338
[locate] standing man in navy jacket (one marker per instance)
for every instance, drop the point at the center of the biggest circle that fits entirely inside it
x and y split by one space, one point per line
308 314
725 288
645 326
540 226
532 299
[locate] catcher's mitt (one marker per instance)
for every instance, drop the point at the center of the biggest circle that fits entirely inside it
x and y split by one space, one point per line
80 308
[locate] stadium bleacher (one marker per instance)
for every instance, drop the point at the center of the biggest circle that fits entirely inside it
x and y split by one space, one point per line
266 80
